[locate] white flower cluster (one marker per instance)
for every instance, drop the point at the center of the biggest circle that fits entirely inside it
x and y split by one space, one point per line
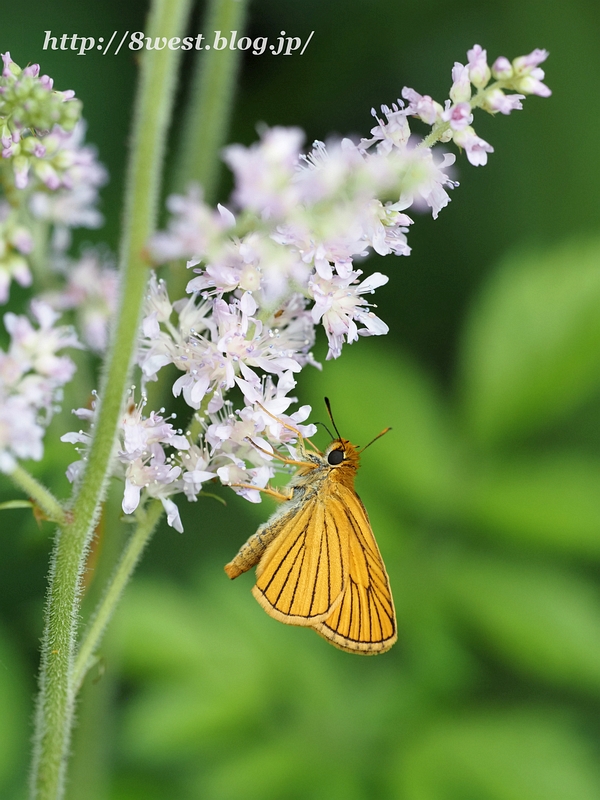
68 193
16 242
283 264
32 375
216 343
303 220
309 219
161 461
91 290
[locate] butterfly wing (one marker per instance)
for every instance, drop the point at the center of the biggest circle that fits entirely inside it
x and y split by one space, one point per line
364 620
302 573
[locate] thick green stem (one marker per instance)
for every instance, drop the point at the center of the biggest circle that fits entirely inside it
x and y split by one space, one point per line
42 498
56 700
107 605
212 93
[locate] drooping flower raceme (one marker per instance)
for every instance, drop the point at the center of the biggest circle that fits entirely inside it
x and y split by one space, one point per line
49 183
47 174
281 261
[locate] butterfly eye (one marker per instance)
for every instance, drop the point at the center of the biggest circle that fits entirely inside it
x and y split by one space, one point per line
335 457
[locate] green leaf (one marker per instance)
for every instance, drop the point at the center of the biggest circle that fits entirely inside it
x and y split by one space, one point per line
9 504
542 620
209 655
287 767
550 502
531 351
499 755
157 631
254 686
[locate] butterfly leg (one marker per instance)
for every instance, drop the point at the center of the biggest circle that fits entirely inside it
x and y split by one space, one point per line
290 428
281 496
279 457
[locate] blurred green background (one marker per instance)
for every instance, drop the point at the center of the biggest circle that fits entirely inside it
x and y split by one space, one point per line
484 498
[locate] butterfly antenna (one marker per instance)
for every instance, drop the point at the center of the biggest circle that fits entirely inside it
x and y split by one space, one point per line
328 404
326 428
379 435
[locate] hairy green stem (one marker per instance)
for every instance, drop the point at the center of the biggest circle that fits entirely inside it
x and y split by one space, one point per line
207 115
148 520
41 497
56 699
211 96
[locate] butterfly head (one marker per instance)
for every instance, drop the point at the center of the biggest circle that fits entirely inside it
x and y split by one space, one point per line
342 454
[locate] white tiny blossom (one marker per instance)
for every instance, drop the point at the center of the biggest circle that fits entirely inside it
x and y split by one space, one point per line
479 72
194 226
422 106
475 148
265 171
32 374
340 305
91 289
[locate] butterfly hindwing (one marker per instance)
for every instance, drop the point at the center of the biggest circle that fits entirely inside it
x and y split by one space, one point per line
363 621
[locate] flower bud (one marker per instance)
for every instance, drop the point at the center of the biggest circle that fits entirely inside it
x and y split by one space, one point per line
502 69
479 72
523 65
461 86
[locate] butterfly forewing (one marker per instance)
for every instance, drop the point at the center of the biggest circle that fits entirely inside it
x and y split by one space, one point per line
302 574
364 619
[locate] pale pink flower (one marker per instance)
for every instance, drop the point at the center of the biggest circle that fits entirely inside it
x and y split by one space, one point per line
459 115
264 172
475 148
502 69
195 462
479 72
21 433
460 91
194 228
91 289
428 187
340 305
496 100
422 106
32 375
393 133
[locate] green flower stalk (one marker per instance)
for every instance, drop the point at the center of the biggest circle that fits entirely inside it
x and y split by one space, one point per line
56 701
